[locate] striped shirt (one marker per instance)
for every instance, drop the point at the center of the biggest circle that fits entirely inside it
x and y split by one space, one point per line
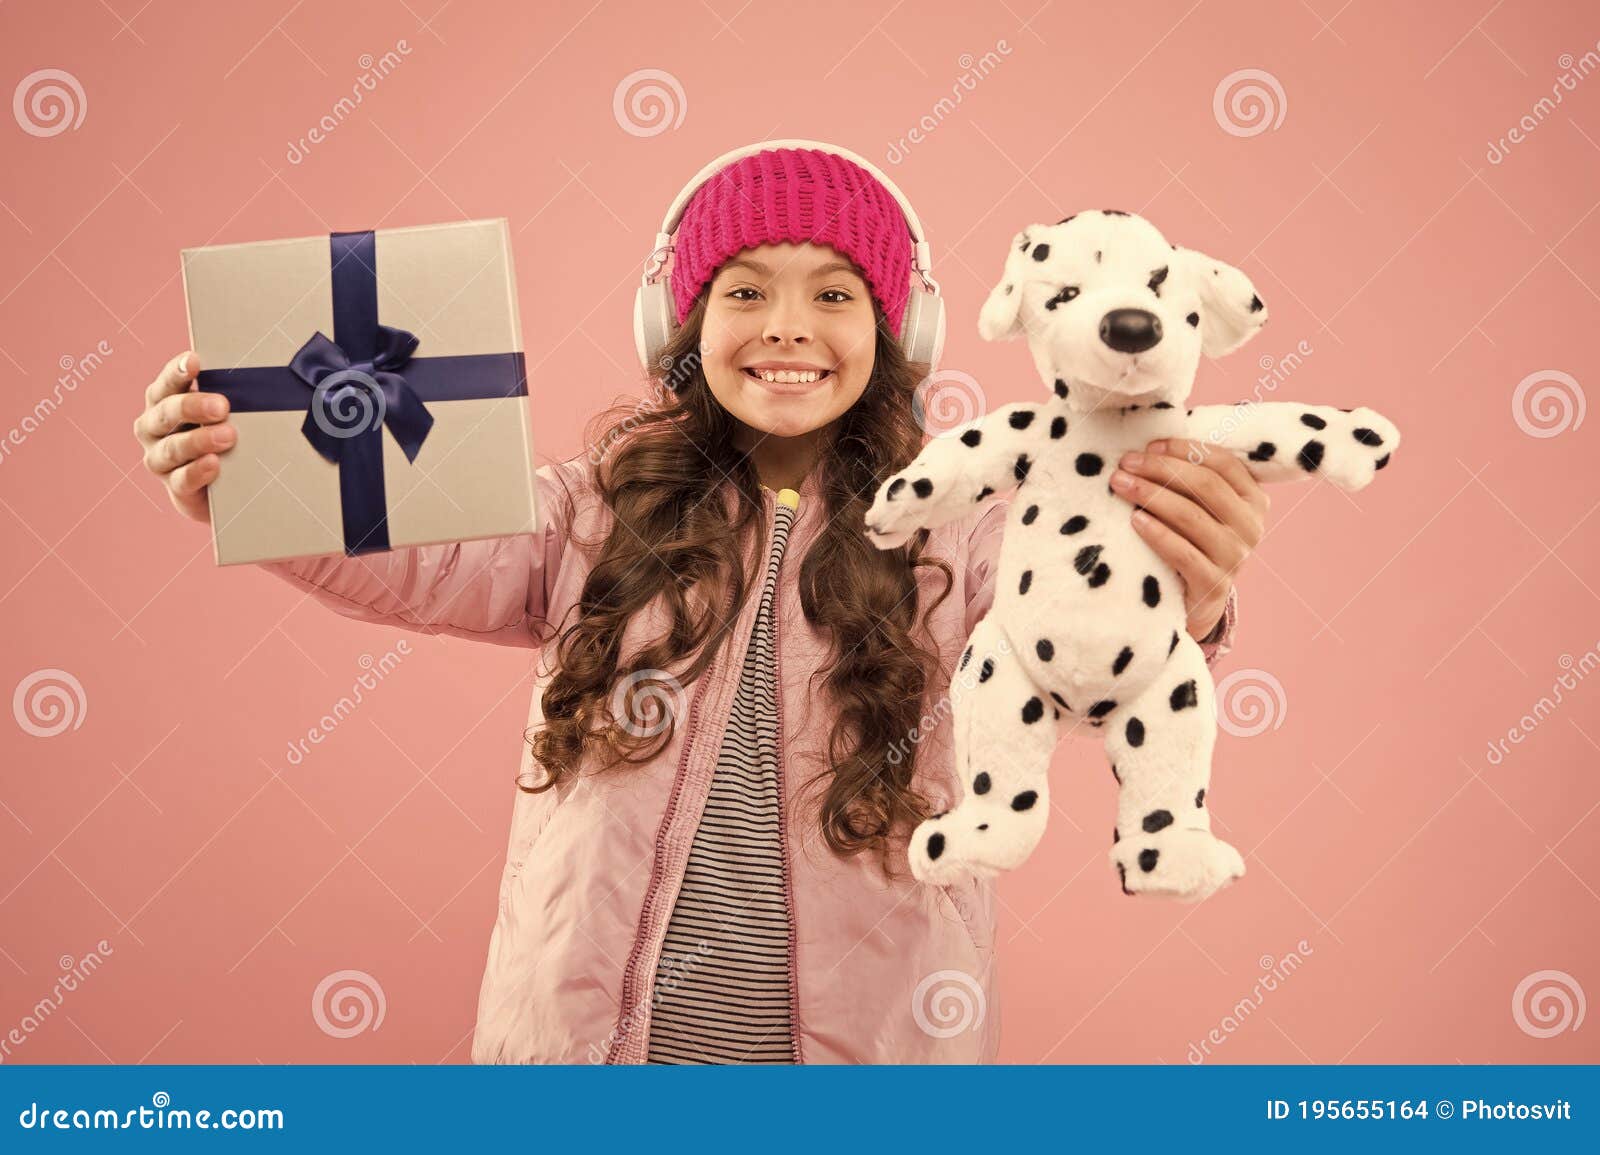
722 987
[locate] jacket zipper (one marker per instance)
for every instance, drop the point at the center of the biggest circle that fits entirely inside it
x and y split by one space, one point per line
630 980
783 795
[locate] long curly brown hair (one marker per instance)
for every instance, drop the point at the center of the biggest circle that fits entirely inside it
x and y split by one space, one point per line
661 467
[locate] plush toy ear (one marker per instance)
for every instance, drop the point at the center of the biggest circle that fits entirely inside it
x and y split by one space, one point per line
999 319
1230 311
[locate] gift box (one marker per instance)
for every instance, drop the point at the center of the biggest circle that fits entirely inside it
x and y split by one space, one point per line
378 386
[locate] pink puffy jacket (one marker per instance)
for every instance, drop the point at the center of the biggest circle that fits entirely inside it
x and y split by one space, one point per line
594 865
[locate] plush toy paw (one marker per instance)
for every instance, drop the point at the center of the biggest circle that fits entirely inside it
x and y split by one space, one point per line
899 510
1188 865
978 837
1349 448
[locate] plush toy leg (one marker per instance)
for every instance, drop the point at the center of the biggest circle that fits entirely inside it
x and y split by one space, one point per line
1005 730
1160 746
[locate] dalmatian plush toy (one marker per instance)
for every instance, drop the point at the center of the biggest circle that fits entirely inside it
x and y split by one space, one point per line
1088 623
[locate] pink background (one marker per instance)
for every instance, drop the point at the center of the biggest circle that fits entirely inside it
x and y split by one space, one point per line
1406 626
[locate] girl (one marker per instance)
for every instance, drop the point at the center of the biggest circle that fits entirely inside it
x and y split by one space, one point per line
749 687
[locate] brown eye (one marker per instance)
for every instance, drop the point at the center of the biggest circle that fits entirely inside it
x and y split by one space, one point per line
1156 278
1067 293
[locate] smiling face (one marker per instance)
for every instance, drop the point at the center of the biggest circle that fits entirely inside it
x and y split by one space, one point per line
788 339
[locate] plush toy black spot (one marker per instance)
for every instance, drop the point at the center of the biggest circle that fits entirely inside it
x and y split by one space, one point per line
1021 468
1381 462
1102 708
1122 661
1058 428
966 656
1310 455
1041 252
1075 524
985 671
922 487
1045 648
1200 797
896 486
1134 732
1155 280
1313 420
1021 418
983 493
1263 452
1086 559
1060 701
1029 514
1157 820
1061 387
1366 437
1032 710
1152 591
1174 644
1027 580
1102 573
1025 800
1184 696
935 844
1193 319
1255 304
1089 464
980 784
1147 859
972 437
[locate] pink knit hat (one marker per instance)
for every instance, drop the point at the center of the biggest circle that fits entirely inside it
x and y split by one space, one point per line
795 195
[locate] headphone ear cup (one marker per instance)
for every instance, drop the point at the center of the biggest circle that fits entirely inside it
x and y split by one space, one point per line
652 321
922 329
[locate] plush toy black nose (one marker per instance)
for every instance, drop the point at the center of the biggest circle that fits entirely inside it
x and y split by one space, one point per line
1130 330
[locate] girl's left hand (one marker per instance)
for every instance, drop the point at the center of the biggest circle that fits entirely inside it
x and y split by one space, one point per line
1204 514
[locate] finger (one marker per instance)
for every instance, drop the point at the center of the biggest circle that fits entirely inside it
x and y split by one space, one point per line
1204 582
178 449
174 378
194 476
1224 462
1183 516
175 411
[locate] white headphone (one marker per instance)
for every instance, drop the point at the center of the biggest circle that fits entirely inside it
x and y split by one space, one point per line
921 328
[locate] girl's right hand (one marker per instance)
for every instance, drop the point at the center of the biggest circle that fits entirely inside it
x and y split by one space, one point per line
183 431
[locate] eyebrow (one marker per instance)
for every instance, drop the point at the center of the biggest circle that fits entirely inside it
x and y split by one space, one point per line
821 270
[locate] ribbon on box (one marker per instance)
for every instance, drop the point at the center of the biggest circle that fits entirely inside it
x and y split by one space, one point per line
365 379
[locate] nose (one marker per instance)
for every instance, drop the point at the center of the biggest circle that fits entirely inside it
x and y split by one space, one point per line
1130 330
787 324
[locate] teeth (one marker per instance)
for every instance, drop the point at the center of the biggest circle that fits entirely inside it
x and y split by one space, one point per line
788 376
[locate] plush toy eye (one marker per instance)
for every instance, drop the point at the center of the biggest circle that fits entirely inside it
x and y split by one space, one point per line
1066 294
1156 278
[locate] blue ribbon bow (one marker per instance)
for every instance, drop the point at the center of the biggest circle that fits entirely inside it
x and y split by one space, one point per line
373 392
